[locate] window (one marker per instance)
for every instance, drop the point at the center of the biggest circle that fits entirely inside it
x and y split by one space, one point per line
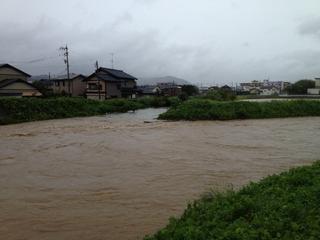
93 86
57 83
63 83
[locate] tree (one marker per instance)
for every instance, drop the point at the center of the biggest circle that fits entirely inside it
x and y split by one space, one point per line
301 87
43 87
190 90
221 95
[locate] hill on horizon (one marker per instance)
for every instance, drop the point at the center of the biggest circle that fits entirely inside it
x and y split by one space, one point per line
167 79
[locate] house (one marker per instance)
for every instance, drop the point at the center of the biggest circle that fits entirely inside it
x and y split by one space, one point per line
255 91
226 88
316 90
148 90
203 90
213 88
265 87
77 85
269 91
14 83
169 89
106 83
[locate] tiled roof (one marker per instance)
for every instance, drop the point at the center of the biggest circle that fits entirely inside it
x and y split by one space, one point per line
117 73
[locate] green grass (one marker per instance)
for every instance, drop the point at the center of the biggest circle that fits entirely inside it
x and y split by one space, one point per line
198 109
285 206
16 110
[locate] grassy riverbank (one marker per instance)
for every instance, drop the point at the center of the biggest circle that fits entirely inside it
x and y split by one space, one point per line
16 110
199 109
284 206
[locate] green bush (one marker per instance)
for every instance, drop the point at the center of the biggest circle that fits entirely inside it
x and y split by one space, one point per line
219 95
199 109
284 206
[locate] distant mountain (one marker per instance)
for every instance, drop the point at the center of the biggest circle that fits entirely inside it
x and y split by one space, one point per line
43 76
39 77
167 79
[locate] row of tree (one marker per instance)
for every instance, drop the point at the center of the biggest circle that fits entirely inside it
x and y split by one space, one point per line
301 87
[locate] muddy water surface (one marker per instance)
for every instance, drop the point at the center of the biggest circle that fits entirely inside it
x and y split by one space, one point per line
118 177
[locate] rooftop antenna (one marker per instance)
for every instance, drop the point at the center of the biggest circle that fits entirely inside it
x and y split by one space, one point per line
112 60
96 64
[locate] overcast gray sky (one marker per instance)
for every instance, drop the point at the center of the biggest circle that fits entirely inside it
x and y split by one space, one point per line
208 41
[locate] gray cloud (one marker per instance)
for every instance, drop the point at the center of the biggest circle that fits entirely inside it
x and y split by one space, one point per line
311 28
211 42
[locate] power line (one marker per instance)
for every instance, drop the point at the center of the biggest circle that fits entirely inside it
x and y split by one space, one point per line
30 61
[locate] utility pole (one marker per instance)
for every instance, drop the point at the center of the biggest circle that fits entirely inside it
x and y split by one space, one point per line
99 86
66 61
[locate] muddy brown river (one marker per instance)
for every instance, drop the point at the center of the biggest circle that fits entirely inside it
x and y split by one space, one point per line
118 177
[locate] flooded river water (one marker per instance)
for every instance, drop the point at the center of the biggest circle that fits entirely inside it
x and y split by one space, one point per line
119 177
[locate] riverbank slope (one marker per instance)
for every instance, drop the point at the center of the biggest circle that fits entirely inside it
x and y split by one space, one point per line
284 206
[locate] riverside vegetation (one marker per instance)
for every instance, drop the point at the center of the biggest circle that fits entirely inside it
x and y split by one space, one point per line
211 107
16 110
206 109
284 206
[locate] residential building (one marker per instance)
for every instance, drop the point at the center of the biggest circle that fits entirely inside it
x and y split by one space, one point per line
226 88
169 89
148 90
264 87
107 83
14 82
77 85
269 91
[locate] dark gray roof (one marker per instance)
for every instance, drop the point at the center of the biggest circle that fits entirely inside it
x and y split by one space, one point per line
110 75
6 82
148 89
226 87
117 73
10 66
107 77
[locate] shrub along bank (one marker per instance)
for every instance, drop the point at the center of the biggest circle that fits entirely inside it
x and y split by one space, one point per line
199 109
284 206
16 110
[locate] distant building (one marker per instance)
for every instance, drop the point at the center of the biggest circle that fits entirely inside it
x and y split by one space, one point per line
106 83
203 90
14 83
264 87
148 90
213 88
226 88
316 90
269 91
77 85
169 89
